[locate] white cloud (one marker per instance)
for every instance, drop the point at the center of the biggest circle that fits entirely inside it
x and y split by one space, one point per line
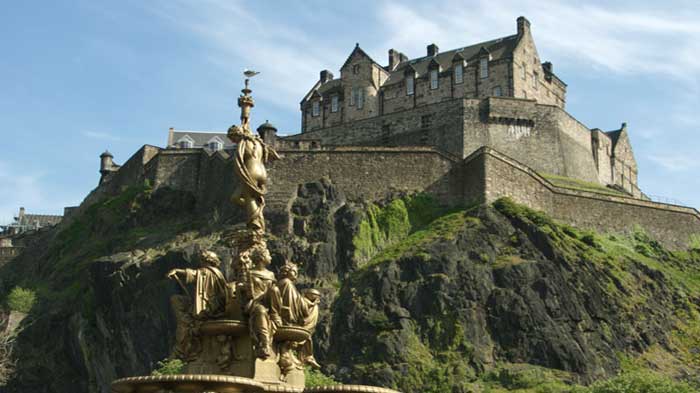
676 162
287 57
611 38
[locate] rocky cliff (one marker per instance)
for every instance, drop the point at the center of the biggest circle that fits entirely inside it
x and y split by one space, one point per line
418 296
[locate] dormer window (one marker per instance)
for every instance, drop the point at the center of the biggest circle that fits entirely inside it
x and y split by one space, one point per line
459 73
215 146
334 103
315 108
434 79
185 142
410 85
484 68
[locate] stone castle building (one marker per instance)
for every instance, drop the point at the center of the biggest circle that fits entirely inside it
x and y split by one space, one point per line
468 125
496 93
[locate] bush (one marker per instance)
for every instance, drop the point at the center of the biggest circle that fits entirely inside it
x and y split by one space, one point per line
169 367
21 299
641 381
316 378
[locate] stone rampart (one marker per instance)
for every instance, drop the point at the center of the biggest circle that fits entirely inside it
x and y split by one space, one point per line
505 177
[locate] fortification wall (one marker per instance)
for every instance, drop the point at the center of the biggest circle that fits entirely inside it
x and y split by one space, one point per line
367 173
438 125
672 225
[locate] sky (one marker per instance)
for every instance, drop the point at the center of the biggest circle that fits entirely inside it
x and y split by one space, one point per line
78 77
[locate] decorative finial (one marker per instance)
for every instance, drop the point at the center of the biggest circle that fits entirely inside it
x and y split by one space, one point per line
245 102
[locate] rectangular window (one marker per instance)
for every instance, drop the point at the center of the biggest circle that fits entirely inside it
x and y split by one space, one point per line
360 98
353 96
315 108
409 85
524 94
534 81
334 103
434 81
459 73
497 91
484 68
426 121
524 70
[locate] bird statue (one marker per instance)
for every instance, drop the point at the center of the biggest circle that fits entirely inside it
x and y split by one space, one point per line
250 73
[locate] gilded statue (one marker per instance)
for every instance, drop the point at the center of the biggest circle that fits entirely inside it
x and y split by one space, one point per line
263 299
208 300
250 158
299 309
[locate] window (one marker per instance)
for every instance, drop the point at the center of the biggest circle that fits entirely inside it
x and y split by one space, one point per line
534 81
497 91
360 98
356 69
484 68
524 70
410 85
334 104
315 108
215 146
426 121
524 94
434 79
459 73
353 96
185 144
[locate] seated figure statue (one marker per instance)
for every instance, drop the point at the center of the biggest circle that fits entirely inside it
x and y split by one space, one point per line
299 309
263 300
209 301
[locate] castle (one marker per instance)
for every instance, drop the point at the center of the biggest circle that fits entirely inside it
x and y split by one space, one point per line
468 125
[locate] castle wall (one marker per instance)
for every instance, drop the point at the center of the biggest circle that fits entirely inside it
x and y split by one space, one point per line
672 225
438 125
366 173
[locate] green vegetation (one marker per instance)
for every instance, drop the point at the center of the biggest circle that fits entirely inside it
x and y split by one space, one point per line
21 299
315 378
169 367
404 226
580 185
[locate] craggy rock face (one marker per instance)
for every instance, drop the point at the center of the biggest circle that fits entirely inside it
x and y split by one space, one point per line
404 303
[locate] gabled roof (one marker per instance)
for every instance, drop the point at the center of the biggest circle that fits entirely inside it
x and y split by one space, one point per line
359 51
201 138
498 49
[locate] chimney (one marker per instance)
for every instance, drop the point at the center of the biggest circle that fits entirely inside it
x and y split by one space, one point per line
21 214
433 50
326 76
523 26
394 59
547 66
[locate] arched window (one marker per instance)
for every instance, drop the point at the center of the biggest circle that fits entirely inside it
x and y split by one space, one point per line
434 79
484 68
410 85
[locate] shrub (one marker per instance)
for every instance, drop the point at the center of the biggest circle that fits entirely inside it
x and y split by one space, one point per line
21 299
169 367
316 378
641 381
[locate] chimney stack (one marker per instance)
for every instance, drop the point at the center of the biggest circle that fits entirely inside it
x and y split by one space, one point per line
394 59
433 50
326 76
523 26
21 214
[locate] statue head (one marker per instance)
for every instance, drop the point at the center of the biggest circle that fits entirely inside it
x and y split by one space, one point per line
209 258
236 133
289 270
260 255
312 294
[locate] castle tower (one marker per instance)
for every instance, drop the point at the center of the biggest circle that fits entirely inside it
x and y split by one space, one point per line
107 165
268 133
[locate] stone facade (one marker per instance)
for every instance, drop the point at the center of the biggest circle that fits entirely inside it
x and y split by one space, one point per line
507 66
503 97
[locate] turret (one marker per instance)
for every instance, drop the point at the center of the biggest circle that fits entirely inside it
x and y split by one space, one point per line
268 133
107 165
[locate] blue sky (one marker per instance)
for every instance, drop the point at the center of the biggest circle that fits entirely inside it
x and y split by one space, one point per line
77 77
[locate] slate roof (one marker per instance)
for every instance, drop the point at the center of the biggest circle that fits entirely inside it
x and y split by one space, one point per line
200 138
40 220
499 48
